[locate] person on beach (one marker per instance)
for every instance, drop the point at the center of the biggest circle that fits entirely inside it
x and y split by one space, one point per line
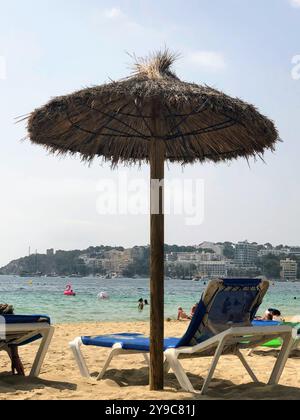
267 316
17 367
141 305
276 315
271 315
146 303
193 310
182 316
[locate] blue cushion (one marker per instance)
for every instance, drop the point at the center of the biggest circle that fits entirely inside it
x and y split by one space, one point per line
128 342
258 323
25 319
241 282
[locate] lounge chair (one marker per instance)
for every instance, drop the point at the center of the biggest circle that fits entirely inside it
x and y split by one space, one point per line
277 342
17 330
221 324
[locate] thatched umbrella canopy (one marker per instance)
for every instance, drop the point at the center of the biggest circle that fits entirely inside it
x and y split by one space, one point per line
153 116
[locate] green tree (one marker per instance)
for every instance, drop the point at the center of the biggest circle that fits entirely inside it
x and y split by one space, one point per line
229 250
270 266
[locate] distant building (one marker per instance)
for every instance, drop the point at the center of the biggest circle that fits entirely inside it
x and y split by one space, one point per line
192 257
113 261
275 252
186 256
295 251
213 269
289 269
172 257
217 249
246 254
50 252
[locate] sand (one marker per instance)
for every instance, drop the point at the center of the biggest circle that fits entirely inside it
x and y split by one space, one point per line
127 378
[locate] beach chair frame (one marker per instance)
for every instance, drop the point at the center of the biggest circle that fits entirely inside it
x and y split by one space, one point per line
232 338
115 351
224 338
294 346
296 339
20 334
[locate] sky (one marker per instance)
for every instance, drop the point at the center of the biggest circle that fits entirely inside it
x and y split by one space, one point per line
247 48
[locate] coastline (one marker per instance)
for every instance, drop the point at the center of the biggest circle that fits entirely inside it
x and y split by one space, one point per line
127 378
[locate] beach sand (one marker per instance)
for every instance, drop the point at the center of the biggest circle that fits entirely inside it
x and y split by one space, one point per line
127 378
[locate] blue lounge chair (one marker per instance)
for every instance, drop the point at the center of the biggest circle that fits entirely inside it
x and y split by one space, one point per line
221 324
18 330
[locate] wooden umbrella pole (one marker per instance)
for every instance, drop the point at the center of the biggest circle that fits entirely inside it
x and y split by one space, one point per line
157 156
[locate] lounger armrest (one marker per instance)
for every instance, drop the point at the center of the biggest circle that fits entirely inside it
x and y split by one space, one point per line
239 333
296 334
15 328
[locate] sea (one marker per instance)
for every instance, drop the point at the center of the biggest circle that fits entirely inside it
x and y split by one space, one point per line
46 296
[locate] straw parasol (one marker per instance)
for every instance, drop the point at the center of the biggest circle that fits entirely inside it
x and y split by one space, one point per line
152 116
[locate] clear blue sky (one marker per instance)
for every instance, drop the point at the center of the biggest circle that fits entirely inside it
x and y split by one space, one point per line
244 47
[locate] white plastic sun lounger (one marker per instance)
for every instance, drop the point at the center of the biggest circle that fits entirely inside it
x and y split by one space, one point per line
276 344
221 325
16 330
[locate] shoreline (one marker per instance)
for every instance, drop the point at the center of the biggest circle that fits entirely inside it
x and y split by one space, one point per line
127 378
291 318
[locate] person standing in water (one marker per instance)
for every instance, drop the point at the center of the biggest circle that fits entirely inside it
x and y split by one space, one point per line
141 305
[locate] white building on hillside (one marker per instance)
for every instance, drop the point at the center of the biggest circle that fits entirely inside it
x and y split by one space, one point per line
289 270
275 252
213 269
217 249
295 251
246 254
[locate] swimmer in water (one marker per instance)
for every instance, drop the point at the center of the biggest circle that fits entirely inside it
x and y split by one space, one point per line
141 305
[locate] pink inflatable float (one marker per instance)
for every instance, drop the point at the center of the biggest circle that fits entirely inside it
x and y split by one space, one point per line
69 291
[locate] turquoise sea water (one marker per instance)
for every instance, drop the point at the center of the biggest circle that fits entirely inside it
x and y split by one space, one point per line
45 296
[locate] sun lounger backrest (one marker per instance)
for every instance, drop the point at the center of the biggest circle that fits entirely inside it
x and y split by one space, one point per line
226 303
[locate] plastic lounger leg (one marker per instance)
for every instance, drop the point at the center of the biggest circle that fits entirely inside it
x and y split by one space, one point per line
213 367
247 367
114 352
42 351
167 367
296 340
282 359
179 372
78 356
